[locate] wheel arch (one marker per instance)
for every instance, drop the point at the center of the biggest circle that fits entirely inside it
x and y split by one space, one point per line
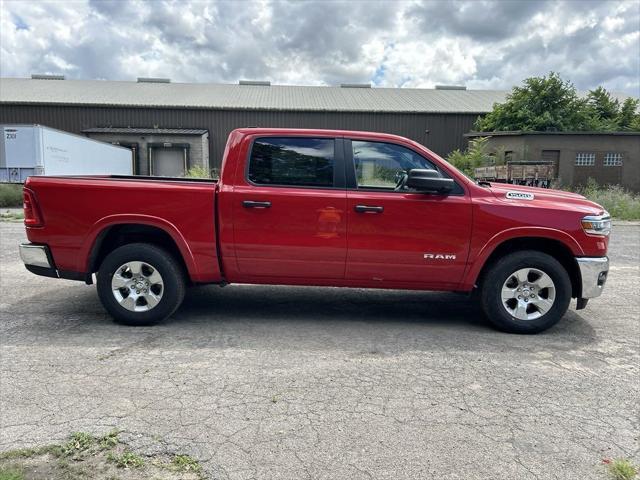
111 233
551 246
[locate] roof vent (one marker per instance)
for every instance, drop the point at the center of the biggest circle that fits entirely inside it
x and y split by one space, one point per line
42 76
451 87
355 85
153 80
258 83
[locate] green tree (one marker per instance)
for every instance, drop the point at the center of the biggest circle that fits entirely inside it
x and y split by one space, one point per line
628 117
474 156
601 110
541 104
552 104
602 104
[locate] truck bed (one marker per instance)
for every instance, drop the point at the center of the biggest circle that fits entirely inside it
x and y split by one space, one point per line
79 212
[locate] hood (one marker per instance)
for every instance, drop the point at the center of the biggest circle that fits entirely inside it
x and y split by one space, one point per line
544 197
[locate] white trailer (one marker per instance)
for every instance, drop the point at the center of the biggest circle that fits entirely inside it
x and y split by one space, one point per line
27 150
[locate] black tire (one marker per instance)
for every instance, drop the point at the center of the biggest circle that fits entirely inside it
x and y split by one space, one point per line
501 271
173 283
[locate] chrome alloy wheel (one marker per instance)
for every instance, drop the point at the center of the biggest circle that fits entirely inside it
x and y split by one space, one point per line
137 286
528 294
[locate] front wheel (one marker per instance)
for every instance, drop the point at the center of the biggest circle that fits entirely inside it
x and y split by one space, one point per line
525 292
140 284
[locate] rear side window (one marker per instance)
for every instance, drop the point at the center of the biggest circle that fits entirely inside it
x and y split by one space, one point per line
304 162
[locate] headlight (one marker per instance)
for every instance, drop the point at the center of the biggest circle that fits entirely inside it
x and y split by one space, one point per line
597 224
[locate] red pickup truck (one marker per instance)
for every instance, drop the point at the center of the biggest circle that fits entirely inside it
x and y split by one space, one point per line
324 208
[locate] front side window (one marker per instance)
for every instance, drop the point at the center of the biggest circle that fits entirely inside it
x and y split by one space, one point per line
382 165
304 162
585 159
613 160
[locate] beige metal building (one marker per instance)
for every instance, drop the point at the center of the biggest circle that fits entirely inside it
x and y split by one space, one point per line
167 152
607 157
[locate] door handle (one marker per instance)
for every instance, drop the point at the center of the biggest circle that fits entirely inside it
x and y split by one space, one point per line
254 204
368 209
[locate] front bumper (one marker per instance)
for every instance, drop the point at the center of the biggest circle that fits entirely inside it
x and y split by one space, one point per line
593 271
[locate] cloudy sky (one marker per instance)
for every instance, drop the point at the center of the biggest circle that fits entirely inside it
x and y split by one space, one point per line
481 44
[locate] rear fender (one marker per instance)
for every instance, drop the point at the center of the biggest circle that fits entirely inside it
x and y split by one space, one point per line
111 220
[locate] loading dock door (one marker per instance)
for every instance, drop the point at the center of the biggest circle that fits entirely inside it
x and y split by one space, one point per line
168 160
552 156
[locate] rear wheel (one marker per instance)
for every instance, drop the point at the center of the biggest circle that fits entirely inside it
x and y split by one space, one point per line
140 284
525 292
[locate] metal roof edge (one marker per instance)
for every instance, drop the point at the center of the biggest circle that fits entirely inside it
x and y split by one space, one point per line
231 108
146 130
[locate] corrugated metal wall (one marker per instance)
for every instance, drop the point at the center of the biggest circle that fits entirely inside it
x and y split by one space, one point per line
445 130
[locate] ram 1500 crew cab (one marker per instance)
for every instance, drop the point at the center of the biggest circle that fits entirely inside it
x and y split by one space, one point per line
324 208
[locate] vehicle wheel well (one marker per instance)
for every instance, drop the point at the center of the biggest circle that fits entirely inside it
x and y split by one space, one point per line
554 248
118 235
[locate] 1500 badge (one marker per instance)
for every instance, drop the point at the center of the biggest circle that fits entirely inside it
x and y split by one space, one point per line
520 195
439 256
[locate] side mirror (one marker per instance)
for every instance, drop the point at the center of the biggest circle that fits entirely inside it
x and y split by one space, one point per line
429 181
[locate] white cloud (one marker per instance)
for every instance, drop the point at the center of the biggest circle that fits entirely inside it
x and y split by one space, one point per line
483 44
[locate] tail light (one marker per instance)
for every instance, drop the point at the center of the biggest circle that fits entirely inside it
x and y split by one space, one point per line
32 216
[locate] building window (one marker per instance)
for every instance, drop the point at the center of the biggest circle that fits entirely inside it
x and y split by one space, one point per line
585 159
613 160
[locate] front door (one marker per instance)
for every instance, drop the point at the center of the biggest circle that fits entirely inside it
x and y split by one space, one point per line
289 210
401 236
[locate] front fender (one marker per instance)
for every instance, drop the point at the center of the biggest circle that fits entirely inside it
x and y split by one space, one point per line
478 261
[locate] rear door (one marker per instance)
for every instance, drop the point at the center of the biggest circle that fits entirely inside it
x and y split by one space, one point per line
402 237
289 209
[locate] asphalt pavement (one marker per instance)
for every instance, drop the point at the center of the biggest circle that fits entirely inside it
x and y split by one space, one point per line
292 383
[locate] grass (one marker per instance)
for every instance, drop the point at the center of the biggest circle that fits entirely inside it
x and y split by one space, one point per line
54 450
109 441
85 456
184 463
620 203
621 469
198 171
11 474
10 195
11 216
126 460
79 443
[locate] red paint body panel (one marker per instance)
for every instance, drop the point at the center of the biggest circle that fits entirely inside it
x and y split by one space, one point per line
310 236
77 209
391 246
303 233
